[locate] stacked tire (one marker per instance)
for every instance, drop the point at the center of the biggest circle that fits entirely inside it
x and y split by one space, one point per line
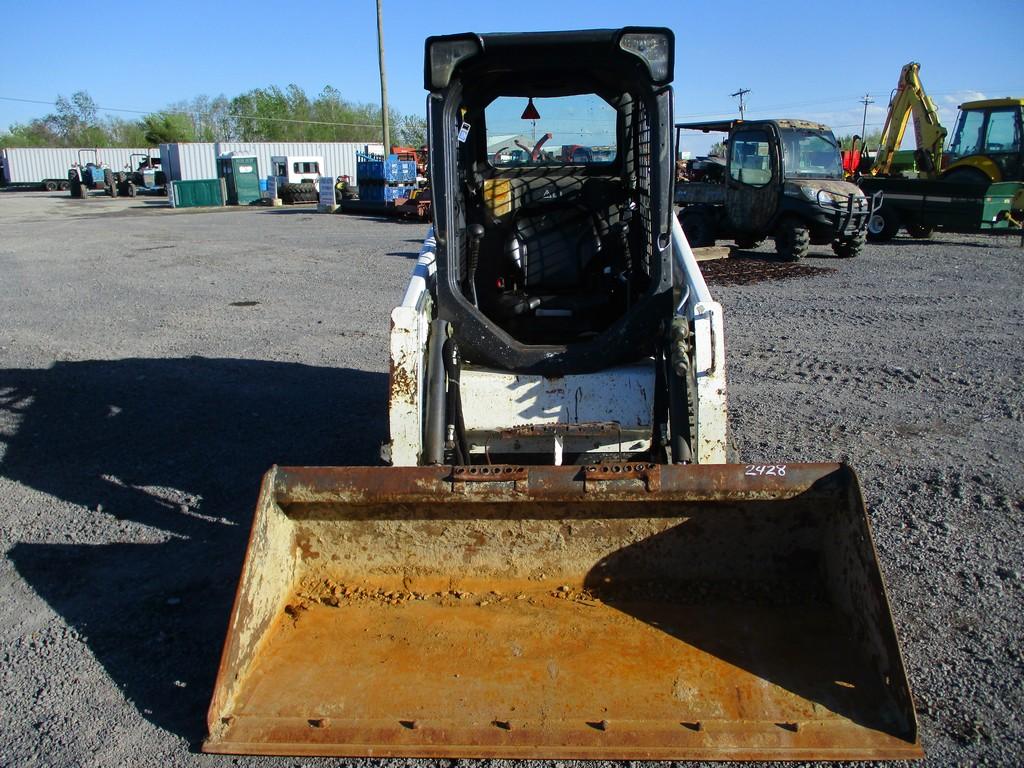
298 193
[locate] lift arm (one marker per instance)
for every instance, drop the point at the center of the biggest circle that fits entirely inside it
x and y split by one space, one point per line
909 99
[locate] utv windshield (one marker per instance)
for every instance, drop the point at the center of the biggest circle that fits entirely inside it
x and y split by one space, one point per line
811 154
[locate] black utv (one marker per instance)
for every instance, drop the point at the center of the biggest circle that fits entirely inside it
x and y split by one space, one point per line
783 179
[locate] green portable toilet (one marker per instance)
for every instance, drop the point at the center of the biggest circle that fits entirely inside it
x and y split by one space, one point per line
241 174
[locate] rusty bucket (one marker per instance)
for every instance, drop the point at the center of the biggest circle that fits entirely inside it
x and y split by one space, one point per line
627 611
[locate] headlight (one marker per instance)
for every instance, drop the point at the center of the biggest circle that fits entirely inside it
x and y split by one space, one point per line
655 47
444 54
813 194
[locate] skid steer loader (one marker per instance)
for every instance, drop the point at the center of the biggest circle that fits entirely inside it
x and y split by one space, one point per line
559 563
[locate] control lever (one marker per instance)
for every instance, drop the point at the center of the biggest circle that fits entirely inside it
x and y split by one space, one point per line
476 234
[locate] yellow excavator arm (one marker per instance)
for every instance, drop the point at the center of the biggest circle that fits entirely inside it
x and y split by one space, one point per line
910 99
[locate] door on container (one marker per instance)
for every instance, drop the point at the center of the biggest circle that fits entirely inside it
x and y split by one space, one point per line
225 171
246 174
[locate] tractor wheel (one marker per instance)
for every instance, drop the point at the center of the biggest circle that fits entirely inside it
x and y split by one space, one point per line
883 225
50 186
698 228
792 240
289 193
848 247
132 191
919 231
65 186
967 176
746 243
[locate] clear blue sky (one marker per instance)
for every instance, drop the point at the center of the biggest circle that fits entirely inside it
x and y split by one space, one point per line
799 59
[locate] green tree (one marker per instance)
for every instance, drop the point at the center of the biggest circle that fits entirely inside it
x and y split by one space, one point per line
168 127
871 140
37 133
412 131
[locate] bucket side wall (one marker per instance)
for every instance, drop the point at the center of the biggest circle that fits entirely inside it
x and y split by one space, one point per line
266 584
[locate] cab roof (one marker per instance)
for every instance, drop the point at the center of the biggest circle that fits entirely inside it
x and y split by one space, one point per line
727 125
989 103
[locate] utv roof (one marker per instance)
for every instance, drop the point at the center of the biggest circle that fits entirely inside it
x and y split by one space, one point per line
727 125
554 51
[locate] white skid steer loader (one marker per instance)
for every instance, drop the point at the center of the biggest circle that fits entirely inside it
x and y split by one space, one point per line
560 563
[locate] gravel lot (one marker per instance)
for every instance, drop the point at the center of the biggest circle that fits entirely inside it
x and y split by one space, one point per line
154 363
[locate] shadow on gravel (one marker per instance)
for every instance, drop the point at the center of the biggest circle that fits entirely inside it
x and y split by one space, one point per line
405 254
991 241
178 445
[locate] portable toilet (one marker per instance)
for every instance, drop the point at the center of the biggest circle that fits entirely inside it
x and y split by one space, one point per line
241 176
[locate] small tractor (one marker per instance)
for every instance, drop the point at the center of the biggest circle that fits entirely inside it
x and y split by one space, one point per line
90 174
782 179
141 174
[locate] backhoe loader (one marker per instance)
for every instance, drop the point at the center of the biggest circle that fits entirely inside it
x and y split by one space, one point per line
559 563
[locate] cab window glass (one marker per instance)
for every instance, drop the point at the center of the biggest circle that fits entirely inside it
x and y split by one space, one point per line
750 158
1003 134
967 138
568 130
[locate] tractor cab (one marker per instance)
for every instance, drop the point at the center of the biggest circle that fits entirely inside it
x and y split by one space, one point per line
986 144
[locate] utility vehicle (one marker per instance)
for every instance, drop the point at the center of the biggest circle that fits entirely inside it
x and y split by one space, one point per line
783 179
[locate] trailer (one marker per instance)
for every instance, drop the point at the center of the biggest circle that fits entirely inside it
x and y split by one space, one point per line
46 168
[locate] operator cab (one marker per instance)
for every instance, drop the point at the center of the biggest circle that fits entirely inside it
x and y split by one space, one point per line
551 203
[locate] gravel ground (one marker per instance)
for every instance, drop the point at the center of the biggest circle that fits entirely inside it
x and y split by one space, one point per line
154 363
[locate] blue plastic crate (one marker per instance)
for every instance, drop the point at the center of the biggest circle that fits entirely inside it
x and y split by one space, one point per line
371 169
382 193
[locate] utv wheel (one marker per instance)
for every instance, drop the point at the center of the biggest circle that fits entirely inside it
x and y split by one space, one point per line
746 243
919 231
849 247
883 225
792 240
698 228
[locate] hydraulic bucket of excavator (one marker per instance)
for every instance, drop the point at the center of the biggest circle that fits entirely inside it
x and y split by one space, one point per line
628 611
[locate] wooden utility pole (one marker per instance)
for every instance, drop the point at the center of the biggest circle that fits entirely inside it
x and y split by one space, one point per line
741 93
864 123
383 80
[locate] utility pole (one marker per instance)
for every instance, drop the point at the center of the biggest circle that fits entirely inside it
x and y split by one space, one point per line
383 80
864 123
741 93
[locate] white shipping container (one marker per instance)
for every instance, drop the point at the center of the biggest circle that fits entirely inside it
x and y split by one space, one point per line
31 165
339 156
189 161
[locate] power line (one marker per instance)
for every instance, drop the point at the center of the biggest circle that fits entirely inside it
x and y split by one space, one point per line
187 112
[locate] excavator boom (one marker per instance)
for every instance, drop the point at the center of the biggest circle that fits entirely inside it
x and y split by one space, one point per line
909 99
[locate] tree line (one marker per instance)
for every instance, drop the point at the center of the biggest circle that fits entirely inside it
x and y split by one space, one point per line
261 114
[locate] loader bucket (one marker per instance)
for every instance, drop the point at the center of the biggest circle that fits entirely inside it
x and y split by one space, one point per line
627 611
